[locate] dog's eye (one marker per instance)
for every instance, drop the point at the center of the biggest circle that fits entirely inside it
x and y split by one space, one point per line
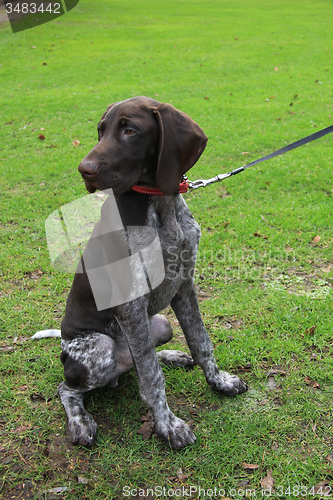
100 133
129 131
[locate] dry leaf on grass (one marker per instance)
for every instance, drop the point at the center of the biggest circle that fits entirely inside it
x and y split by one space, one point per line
76 143
258 235
39 397
313 383
316 239
41 137
268 482
147 427
310 331
181 476
249 467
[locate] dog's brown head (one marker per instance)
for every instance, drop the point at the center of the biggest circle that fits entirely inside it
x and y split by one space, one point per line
142 141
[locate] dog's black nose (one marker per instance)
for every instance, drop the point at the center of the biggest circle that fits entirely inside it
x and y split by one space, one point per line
88 169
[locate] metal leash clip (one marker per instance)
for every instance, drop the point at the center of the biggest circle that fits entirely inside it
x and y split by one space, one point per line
206 182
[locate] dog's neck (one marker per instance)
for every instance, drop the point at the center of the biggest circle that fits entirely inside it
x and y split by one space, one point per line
183 187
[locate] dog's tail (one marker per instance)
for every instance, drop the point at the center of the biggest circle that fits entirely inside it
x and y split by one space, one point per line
46 333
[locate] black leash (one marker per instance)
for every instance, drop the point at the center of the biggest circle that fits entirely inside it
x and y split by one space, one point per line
206 182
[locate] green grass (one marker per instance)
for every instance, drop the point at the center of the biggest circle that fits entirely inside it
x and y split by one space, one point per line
255 76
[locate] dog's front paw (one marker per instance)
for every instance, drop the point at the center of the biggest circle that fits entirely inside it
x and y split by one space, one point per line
227 384
175 432
82 430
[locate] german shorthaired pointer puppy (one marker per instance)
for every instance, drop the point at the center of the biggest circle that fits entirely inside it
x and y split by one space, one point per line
142 142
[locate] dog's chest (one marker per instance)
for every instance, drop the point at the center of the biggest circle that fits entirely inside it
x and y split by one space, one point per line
179 236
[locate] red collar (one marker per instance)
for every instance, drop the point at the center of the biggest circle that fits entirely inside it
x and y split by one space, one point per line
183 187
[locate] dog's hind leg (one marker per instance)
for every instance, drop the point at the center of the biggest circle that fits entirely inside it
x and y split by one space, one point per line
161 333
89 362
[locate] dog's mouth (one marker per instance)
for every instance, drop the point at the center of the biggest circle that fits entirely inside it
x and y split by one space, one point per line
89 187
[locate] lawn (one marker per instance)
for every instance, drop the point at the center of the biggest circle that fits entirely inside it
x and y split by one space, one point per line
255 76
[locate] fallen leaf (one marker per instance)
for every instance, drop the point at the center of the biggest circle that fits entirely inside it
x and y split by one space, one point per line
258 235
206 97
316 239
44 64
246 153
33 47
39 397
181 475
244 369
310 331
276 69
147 427
249 467
268 481
313 383
145 418
76 142
42 128
41 137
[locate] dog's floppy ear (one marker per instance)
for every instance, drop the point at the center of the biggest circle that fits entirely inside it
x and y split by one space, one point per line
180 145
103 116
107 110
